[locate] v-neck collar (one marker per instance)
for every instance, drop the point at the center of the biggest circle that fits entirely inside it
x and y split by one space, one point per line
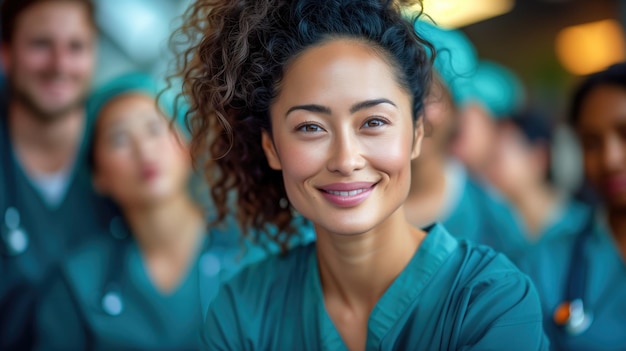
139 271
405 289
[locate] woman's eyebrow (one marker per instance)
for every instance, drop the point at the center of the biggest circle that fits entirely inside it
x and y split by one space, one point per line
326 110
310 108
370 103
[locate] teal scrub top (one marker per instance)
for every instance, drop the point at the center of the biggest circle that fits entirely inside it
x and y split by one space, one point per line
605 289
232 248
74 313
51 233
481 216
570 220
451 296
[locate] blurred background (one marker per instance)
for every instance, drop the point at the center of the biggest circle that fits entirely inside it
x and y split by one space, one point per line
134 35
548 44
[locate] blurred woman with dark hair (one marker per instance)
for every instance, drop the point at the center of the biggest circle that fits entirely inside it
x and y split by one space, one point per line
520 170
582 278
139 286
442 188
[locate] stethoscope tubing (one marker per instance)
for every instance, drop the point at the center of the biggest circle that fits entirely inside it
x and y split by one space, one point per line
579 316
14 238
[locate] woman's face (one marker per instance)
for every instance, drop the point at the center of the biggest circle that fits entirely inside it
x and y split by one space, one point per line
343 136
474 143
139 159
440 115
516 164
602 132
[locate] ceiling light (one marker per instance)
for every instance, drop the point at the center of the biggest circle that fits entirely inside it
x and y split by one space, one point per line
459 13
591 47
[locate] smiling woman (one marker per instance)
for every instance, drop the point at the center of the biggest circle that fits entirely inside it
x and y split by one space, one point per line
321 103
356 141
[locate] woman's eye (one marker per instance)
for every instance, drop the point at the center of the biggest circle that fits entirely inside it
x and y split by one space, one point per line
309 128
118 139
156 128
40 43
374 123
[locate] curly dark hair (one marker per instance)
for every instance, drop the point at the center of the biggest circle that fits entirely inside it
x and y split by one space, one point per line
233 59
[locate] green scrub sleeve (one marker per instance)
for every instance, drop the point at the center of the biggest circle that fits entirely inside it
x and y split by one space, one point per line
223 328
508 311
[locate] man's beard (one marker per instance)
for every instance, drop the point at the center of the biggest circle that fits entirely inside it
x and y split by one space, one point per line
43 114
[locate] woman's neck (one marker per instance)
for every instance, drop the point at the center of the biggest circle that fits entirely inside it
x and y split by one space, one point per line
355 271
536 205
171 226
169 235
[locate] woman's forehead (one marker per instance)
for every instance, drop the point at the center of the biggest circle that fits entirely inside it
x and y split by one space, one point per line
126 109
340 66
605 105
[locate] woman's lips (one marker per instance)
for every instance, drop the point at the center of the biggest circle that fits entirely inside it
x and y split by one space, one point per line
347 194
148 173
615 185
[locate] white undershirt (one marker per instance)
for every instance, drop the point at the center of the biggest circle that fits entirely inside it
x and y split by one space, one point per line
455 178
52 186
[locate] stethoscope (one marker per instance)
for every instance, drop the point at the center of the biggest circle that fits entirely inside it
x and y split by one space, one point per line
112 301
572 315
14 238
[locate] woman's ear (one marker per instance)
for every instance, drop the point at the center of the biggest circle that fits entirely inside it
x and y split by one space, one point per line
270 150
418 136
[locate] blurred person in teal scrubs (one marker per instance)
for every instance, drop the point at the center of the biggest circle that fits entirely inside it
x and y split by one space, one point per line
494 93
582 278
47 202
441 188
320 114
139 285
520 170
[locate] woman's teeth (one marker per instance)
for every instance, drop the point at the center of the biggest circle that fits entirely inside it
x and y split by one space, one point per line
346 193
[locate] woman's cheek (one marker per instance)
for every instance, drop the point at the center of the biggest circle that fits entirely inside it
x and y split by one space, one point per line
119 169
392 153
302 160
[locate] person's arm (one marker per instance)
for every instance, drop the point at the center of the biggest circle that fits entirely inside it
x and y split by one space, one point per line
503 313
58 323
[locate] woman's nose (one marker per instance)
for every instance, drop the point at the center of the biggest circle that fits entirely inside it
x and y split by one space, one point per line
346 154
